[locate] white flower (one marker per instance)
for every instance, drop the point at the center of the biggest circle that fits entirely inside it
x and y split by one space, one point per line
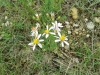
47 32
7 23
90 25
37 25
52 15
38 16
36 41
34 31
62 38
56 26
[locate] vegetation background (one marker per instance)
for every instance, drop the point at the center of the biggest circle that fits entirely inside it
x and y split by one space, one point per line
17 58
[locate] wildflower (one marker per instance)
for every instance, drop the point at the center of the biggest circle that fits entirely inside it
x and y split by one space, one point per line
52 15
90 25
56 26
7 23
47 32
37 25
34 31
37 16
36 41
62 38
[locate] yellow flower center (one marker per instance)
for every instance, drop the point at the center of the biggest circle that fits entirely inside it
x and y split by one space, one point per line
35 41
62 38
46 31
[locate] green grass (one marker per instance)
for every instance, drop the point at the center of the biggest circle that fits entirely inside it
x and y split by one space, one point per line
17 58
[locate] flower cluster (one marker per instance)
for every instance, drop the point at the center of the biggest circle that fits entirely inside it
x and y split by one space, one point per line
54 30
6 23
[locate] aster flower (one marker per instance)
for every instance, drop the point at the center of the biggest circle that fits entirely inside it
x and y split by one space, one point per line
47 32
62 38
52 15
34 30
38 16
36 41
56 26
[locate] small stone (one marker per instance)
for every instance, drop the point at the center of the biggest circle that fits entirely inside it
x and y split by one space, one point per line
6 17
66 47
69 32
86 20
74 13
88 35
76 60
75 25
67 22
97 19
90 25
68 26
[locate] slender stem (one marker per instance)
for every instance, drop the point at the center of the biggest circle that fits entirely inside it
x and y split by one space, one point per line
92 40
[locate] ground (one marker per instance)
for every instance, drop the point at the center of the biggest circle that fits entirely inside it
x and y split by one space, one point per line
81 25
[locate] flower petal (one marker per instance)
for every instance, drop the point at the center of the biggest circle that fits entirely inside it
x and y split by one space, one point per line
30 44
66 43
66 39
36 32
59 34
47 35
60 25
32 34
57 40
40 45
52 33
41 40
43 34
56 37
58 29
39 36
47 27
34 47
62 43
51 28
